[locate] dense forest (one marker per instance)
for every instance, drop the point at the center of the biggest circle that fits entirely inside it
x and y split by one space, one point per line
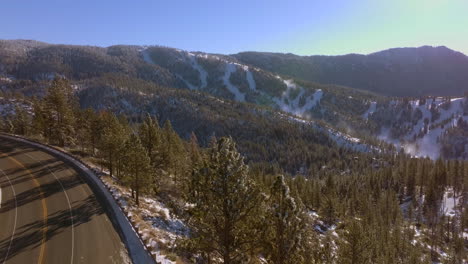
319 203
196 90
403 72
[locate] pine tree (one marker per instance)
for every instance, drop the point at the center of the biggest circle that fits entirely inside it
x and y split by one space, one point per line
173 152
21 121
328 209
96 128
286 222
353 249
196 160
112 140
137 170
60 104
150 136
82 127
225 216
39 118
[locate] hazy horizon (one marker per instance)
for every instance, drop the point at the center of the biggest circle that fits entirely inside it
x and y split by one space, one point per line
298 27
278 52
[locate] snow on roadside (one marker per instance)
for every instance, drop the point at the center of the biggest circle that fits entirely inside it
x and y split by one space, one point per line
153 221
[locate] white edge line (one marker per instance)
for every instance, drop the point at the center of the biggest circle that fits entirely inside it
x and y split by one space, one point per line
16 217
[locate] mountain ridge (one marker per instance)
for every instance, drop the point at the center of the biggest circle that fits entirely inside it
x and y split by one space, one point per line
355 112
419 71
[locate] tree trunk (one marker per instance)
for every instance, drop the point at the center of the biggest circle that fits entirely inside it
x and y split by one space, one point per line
137 189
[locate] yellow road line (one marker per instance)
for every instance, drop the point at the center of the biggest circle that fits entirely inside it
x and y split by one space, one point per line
44 207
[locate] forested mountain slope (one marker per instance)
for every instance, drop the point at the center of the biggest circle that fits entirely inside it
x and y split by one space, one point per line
394 208
396 72
275 81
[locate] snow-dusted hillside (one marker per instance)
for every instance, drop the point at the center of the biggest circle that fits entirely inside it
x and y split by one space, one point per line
8 106
340 138
224 76
419 126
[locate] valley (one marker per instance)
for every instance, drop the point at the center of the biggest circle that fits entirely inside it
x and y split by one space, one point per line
190 132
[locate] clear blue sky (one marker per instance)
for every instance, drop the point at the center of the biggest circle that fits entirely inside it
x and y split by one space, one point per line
303 27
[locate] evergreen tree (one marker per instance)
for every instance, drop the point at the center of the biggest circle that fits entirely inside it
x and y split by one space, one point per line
225 217
21 121
39 118
353 249
328 209
196 160
60 104
112 141
285 219
137 170
150 136
173 153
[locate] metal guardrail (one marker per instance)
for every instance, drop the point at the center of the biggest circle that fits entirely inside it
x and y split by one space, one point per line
137 249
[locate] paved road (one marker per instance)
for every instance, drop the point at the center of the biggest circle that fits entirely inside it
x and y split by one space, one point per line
48 214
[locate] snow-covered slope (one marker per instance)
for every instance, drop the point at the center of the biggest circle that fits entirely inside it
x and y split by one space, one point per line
238 96
371 110
418 126
296 100
224 76
340 138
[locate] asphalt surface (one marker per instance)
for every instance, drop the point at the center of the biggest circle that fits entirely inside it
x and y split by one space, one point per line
48 214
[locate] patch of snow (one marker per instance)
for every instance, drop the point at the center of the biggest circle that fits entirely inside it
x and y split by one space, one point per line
370 111
449 203
8 106
162 258
250 80
341 139
146 56
203 74
317 97
187 83
238 95
426 145
291 105
347 141
6 79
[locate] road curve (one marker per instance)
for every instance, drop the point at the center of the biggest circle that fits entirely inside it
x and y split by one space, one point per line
48 214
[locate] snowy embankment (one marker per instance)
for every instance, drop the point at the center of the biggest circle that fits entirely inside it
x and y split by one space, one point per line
152 220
